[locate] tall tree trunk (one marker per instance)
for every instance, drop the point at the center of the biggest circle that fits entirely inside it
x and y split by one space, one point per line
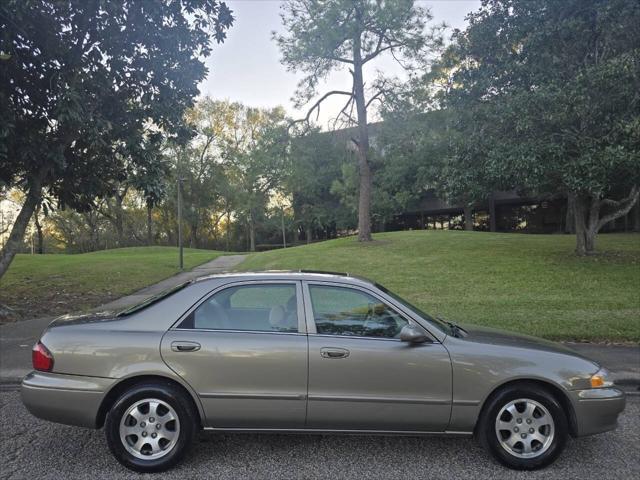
588 221
581 207
149 225
193 237
20 225
228 231
636 217
468 218
284 233
252 232
364 169
492 214
36 218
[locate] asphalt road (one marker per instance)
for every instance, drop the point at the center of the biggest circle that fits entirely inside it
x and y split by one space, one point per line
31 448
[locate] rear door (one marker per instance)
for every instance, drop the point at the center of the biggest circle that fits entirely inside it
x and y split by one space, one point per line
361 376
244 351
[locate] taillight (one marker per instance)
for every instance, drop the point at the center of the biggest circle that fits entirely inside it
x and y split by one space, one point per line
41 358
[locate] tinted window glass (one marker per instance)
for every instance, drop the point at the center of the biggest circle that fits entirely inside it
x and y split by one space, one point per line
350 312
269 307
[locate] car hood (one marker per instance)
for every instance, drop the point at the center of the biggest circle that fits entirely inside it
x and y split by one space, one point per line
493 336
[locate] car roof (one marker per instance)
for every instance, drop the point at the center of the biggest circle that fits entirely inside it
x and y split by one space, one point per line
290 275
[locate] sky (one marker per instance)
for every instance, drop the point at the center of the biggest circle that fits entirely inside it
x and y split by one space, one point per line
247 68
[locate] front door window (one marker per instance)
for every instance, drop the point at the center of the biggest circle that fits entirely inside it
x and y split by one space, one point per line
351 312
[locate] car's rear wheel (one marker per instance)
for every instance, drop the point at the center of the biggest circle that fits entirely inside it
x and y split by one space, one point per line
150 426
524 427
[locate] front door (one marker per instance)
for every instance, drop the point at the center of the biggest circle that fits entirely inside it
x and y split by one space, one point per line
361 376
244 351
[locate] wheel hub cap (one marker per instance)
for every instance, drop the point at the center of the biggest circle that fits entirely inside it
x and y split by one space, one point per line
534 438
149 429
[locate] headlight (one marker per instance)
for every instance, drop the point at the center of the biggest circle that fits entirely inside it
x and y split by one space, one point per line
602 378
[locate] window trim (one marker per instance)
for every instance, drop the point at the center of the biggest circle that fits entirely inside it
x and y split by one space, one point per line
311 321
300 308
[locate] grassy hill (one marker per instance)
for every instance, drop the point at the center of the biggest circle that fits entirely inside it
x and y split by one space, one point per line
39 285
526 283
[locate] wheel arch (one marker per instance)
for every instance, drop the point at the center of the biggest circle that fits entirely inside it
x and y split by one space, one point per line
557 392
124 384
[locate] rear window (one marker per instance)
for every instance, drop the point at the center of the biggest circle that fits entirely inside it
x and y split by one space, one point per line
152 299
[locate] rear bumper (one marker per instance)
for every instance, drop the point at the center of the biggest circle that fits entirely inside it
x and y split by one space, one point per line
597 409
68 399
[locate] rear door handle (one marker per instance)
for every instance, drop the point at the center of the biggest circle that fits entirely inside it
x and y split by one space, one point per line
185 346
330 352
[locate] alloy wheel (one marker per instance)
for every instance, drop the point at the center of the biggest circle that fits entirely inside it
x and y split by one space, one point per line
525 428
149 429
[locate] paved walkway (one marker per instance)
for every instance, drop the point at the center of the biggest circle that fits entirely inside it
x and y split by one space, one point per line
17 339
219 265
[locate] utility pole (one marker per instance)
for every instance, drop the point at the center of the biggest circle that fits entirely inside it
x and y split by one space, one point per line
180 222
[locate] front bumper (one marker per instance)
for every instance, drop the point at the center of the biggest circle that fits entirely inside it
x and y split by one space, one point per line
68 399
597 409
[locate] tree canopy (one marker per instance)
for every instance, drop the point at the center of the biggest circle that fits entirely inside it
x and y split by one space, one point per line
83 86
543 97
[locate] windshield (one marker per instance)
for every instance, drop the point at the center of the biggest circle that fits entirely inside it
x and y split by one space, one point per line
439 324
151 300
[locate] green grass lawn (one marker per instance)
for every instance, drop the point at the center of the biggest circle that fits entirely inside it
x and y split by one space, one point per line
39 285
526 283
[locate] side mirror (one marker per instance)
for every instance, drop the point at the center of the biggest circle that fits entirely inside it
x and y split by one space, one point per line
412 334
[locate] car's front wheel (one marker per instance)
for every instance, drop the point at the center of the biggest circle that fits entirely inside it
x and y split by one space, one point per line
150 427
524 427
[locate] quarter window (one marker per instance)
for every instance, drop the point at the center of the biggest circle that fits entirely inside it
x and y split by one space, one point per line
350 312
260 308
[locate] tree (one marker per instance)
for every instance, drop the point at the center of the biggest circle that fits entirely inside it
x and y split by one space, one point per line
323 36
545 95
315 164
420 143
233 164
150 179
201 169
80 83
258 162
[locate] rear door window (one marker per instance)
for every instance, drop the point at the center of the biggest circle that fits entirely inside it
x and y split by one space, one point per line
256 307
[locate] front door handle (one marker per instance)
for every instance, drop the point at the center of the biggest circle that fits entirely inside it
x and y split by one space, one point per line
185 346
328 352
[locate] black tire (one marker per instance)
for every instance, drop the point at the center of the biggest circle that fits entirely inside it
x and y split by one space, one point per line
172 396
488 436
